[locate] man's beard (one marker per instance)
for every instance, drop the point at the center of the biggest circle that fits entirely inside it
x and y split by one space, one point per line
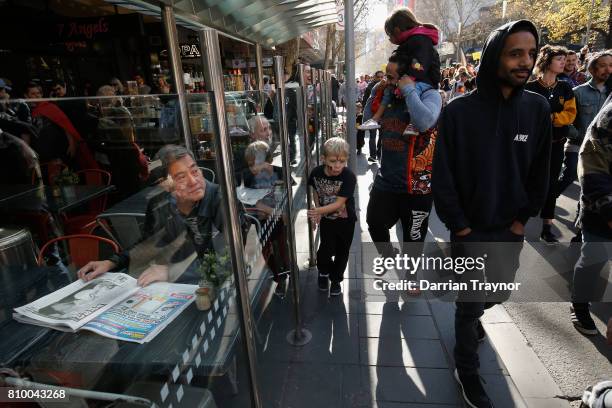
508 79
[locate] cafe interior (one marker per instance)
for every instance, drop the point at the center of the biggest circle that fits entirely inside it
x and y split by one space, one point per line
92 92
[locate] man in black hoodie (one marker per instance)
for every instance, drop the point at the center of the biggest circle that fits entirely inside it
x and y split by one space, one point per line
491 175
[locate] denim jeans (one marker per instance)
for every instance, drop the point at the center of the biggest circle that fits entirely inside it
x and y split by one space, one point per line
594 255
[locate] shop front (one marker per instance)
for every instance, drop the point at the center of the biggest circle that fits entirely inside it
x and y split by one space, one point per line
148 148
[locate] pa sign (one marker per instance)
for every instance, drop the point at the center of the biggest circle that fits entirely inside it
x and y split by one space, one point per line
190 51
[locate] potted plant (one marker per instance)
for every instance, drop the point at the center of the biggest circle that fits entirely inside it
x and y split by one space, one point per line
214 269
64 179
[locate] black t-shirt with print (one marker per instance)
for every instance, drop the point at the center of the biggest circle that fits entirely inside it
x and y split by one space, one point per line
328 188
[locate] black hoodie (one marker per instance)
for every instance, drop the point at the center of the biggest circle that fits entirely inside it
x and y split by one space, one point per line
492 155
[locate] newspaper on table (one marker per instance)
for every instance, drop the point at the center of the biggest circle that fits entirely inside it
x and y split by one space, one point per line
250 196
112 305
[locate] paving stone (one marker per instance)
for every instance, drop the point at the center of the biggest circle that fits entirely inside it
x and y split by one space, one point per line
527 371
444 316
502 391
546 403
313 385
399 385
398 352
393 324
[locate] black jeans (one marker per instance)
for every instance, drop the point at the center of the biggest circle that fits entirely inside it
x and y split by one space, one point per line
467 313
374 147
570 171
386 208
556 161
333 253
291 131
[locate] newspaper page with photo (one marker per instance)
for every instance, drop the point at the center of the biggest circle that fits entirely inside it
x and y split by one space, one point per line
76 304
112 306
140 317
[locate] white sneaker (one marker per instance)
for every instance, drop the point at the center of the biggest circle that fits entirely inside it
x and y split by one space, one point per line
370 124
411 130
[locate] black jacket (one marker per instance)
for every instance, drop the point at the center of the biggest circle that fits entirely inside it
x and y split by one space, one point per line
492 155
422 59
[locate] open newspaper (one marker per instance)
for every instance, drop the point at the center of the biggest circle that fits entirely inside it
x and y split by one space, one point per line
112 305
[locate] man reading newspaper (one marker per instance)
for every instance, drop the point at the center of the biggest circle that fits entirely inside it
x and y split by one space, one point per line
186 218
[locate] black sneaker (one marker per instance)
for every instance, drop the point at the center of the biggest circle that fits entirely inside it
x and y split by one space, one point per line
482 334
577 238
372 159
336 289
323 282
582 321
548 237
472 391
281 288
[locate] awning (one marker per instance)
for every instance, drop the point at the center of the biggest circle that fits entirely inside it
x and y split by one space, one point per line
267 22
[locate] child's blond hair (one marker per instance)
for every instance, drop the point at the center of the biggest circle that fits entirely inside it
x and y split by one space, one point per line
335 146
257 152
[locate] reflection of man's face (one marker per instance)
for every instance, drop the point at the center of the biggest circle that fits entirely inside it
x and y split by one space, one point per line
262 131
308 75
59 91
189 183
33 93
4 95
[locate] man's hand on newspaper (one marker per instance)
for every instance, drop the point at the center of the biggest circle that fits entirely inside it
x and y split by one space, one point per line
94 269
154 273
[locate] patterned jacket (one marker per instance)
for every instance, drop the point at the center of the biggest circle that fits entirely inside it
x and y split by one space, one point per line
595 175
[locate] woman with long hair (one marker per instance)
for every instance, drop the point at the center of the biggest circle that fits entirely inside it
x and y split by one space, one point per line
559 94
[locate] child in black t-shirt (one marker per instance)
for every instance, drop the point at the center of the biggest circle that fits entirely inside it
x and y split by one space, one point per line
334 211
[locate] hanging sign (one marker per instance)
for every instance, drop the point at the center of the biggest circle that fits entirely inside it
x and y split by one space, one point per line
340 13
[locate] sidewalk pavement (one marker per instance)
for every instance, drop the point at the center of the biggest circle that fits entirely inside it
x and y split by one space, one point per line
387 350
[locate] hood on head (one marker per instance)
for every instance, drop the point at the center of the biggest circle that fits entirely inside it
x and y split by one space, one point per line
430 32
486 80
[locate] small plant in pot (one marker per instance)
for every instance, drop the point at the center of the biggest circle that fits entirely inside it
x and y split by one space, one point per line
214 270
64 179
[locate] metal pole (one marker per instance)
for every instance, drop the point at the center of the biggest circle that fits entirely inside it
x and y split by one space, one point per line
312 256
299 336
230 204
330 125
176 68
351 88
317 123
588 31
326 107
322 117
259 64
458 43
